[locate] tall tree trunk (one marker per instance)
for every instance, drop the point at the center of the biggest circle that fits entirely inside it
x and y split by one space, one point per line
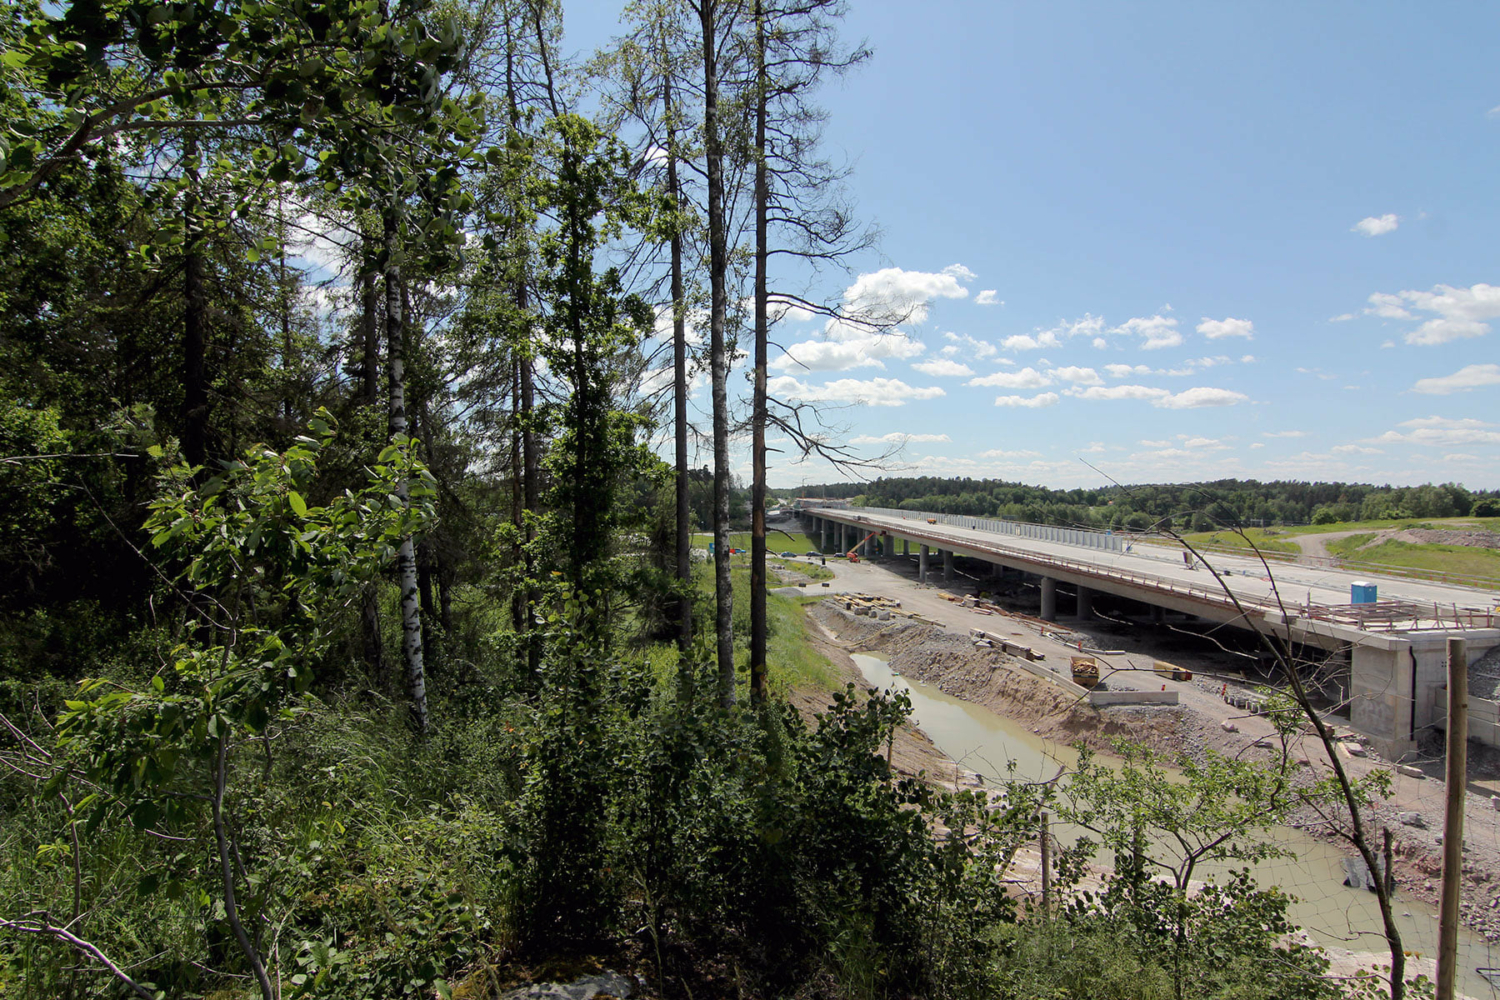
531 483
679 390
758 415
374 647
518 606
194 323
718 265
406 556
370 323
431 646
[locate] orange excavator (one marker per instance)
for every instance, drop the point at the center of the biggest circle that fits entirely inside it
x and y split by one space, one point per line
853 554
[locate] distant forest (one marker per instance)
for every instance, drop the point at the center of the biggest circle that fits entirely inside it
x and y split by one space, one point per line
1186 506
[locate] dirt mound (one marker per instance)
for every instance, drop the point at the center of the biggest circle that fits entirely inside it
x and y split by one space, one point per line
1440 536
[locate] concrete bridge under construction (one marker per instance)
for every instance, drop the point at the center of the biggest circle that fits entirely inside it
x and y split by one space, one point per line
1396 646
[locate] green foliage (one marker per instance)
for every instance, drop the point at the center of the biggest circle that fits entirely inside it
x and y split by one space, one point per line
1221 503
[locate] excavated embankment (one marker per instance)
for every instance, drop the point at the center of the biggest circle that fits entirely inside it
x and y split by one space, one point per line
995 680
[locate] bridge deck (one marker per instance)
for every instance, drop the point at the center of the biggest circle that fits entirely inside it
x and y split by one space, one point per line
1306 591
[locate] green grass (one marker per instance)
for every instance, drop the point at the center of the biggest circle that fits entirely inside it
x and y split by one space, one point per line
1457 560
1263 538
791 660
1278 539
1345 548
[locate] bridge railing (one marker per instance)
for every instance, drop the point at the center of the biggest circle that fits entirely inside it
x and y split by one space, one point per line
1089 538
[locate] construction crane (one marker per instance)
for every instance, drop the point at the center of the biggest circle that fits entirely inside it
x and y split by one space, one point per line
853 554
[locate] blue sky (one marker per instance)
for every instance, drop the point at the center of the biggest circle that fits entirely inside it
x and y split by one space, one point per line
1175 241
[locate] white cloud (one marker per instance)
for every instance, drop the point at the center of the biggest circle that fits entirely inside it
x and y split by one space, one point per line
896 437
1200 396
1029 402
943 366
1460 312
780 309
1026 342
1000 453
1155 444
1099 392
988 297
1283 434
1343 317
1247 359
949 351
1466 378
1026 378
1460 457
1188 399
1078 376
1355 449
840 355
1121 371
1088 326
1155 331
1442 431
1493 112
979 348
1213 329
1256 445
1094 448
893 292
1376 225
1100 343
1210 444
848 345
872 392
1387 306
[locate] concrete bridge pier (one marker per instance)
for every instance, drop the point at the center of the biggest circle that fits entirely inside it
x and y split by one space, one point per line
922 564
1158 614
1085 603
906 546
823 535
947 565
1049 599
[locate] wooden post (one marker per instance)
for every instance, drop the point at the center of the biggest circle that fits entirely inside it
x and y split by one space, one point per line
1046 869
1453 816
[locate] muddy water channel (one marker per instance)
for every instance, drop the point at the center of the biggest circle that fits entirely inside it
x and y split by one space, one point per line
1336 916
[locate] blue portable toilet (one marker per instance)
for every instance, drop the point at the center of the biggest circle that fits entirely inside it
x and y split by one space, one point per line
1361 592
